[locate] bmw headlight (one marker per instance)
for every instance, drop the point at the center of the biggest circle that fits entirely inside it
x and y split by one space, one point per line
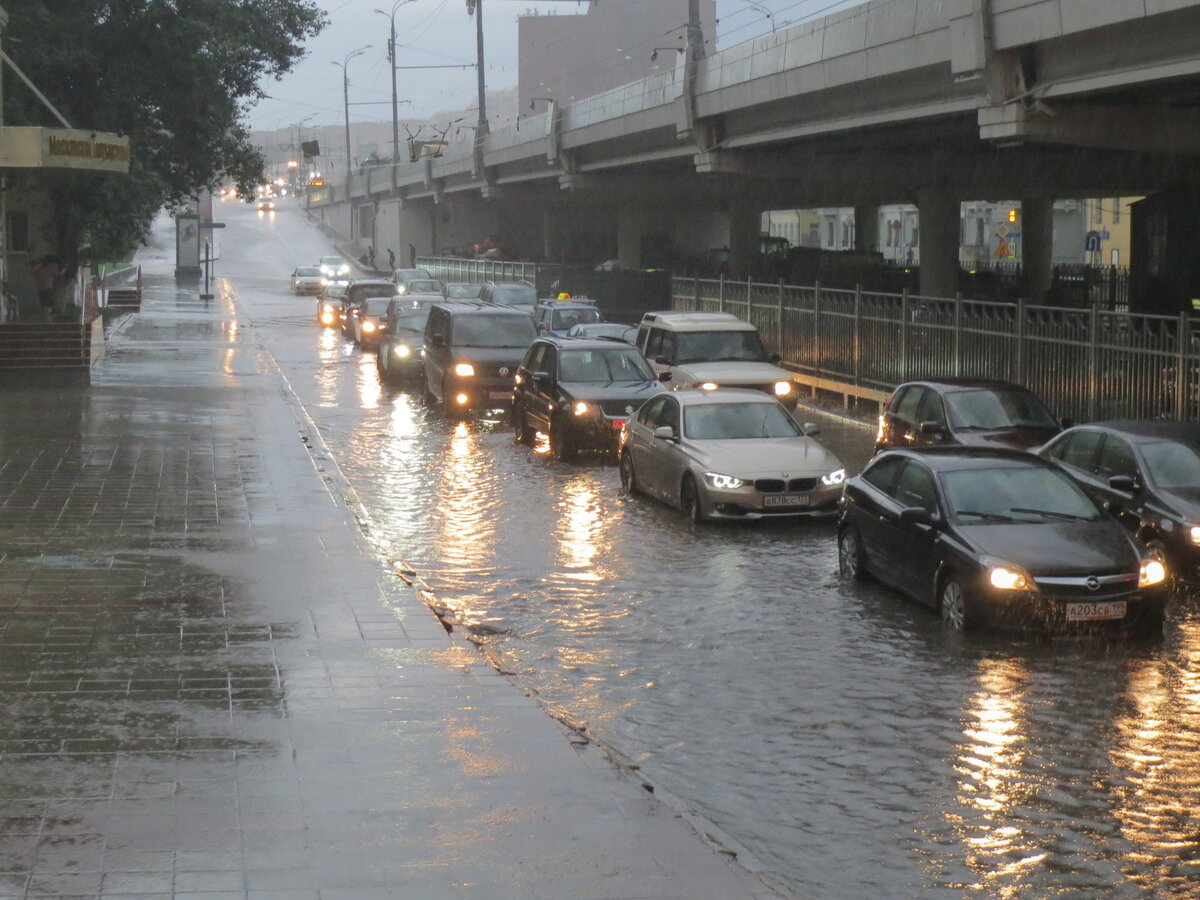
783 388
1007 577
723 482
464 370
1152 572
837 476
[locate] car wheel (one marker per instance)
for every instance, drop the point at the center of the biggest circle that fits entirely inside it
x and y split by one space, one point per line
628 476
562 442
520 427
955 605
850 554
689 499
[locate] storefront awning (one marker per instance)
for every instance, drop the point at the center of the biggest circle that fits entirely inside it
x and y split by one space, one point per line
63 148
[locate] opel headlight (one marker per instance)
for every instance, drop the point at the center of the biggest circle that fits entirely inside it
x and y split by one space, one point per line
783 388
580 408
1007 577
707 386
837 476
1151 573
724 482
1195 534
464 370
402 351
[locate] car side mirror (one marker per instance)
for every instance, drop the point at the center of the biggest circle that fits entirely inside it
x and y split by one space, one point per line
930 429
810 428
664 377
540 378
918 515
437 340
664 433
1125 483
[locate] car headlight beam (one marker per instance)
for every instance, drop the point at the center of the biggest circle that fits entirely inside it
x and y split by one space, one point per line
402 351
580 408
1194 533
1009 578
723 482
464 370
783 388
1152 572
836 477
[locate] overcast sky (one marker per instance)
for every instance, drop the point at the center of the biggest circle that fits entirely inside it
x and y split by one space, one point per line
440 33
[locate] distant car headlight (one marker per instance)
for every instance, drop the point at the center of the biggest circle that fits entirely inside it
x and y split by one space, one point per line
1195 534
328 307
580 408
1152 572
723 482
402 289
783 388
707 386
464 370
1008 577
837 476
368 326
402 350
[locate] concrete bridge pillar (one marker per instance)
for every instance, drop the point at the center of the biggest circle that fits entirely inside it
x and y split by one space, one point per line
940 224
745 227
866 228
1037 251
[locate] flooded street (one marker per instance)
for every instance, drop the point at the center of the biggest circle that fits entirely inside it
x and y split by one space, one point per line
834 730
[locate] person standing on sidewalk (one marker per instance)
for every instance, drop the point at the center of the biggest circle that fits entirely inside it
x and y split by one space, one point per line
391 260
47 272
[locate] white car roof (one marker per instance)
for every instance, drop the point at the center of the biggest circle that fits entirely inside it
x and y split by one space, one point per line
697 321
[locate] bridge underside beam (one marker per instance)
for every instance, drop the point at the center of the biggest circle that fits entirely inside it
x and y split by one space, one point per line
1142 129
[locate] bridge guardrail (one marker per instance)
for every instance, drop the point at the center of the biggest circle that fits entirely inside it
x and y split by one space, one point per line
1087 364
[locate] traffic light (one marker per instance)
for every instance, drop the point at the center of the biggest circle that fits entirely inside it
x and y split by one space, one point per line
1014 215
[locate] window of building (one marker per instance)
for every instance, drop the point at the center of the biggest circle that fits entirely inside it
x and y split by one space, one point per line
1116 210
18 232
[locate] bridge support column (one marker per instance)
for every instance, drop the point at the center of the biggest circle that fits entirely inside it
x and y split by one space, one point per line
631 228
866 228
1037 250
745 227
940 225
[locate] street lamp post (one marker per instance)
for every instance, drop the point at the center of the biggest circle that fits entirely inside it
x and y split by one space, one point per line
344 66
476 7
392 59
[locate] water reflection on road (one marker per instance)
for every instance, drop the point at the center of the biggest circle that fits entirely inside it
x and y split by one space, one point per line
832 728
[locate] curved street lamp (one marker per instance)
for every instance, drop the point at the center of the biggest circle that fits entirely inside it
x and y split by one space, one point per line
343 65
392 59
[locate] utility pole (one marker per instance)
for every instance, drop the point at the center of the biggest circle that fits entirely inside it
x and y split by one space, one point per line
695 31
344 66
392 59
476 7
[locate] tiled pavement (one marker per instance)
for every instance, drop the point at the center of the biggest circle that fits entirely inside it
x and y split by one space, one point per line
210 688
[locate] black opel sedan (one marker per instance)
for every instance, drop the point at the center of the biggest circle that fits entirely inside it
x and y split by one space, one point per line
997 537
1147 475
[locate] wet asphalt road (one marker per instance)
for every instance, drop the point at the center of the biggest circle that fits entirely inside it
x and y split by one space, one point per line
832 729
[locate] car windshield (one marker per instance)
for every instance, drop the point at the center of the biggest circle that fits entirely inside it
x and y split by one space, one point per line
991 409
515 294
1011 493
463 291
564 319
413 319
363 291
1172 465
376 306
702 346
308 272
736 421
603 366
494 331
425 286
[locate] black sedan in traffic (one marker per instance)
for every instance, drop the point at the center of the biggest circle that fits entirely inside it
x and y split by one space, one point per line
1147 475
997 537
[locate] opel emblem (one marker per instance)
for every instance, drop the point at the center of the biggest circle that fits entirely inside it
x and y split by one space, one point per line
1093 583
503 371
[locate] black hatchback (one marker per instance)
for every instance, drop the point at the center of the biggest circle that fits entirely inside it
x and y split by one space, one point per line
971 411
580 392
997 537
1147 475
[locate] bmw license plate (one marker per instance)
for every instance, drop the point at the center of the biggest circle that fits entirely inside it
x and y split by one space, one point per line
1089 612
785 500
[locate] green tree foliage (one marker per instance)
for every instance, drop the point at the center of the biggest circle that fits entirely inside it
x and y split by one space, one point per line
176 76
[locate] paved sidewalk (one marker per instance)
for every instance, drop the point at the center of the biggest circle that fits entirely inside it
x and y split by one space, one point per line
210 688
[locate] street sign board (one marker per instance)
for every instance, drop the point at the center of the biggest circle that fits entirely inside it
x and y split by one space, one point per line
1091 242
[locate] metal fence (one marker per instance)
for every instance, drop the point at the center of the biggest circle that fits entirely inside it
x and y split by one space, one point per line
1087 364
475 270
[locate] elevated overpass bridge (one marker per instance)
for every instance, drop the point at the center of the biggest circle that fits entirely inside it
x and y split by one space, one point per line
930 102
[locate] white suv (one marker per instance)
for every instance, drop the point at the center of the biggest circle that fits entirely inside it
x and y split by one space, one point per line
711 350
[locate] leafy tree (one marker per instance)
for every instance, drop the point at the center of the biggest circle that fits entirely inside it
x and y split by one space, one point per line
176 76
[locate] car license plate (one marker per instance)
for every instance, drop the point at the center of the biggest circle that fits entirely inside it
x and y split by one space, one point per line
499 395
785 500
1103 609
